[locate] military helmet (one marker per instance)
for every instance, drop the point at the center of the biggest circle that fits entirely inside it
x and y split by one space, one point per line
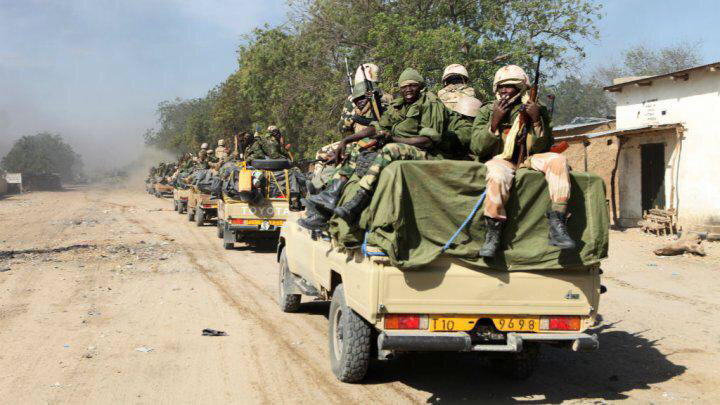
272 128
455 69
372 72
221 142
204 145
468 106
410 76
358 91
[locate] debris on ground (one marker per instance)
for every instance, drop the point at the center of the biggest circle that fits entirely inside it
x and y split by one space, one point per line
691 244
213 332
144 349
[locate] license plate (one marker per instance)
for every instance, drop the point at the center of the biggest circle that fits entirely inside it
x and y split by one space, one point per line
517 323
457 323
276 222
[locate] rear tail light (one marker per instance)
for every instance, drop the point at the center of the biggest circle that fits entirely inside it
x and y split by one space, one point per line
208 206
406 321
237 221
560 323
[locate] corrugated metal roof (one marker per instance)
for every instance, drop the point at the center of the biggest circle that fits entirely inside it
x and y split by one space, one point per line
620 131
617 87
590 121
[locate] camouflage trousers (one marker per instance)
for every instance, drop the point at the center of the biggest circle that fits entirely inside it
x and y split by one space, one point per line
390 153
500 175
348 167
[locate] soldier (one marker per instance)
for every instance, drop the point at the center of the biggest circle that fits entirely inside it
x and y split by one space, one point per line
497 135
220 151
456 139
412 128
455 79
351 121
267 145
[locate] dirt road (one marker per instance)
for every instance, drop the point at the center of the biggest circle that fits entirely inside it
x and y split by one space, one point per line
116 317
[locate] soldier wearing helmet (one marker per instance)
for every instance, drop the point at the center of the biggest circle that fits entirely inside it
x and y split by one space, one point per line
499 137
220 152
455 143
455 78
267 145
352 118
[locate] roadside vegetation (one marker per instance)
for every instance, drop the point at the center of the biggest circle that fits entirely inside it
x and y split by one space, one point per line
44 153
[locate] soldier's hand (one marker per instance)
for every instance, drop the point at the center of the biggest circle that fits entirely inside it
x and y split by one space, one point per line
500 109
533 111
339 154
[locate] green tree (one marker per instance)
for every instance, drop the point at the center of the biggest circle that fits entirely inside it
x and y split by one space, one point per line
43 153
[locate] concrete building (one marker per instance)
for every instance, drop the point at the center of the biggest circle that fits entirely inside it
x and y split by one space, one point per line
662 151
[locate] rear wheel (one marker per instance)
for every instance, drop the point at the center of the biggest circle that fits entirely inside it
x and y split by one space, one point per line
175 205
199 216
287 302
190 215
220 226
349 340
228 245
521 365
181 207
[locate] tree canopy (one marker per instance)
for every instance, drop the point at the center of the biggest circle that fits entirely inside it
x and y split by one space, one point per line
43 153
293 76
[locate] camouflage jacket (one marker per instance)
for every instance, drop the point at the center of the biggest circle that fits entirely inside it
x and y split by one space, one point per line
452 93
455 142
348 118
265 146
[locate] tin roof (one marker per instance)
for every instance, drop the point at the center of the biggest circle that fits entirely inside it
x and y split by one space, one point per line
644 81
620 132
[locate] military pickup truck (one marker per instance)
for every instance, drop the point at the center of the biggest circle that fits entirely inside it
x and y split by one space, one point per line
378 310
258 206
163 190
201 207
180 199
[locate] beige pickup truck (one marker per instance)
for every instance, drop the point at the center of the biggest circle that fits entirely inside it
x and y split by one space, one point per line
240 221
377 310
180 199
201 207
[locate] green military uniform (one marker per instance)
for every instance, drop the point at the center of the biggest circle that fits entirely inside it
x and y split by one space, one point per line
265 146
427 117
485 144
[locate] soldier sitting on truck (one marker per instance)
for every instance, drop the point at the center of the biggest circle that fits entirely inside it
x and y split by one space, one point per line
267 145
496 136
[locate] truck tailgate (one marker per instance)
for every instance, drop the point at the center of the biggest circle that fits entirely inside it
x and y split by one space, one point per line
452 287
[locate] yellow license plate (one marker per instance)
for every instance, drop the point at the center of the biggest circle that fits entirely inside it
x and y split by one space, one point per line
517 323
456 323
275 222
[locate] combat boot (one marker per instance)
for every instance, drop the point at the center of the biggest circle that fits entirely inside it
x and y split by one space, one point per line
351 209
328 199
558 234
311 189
492 237
314 220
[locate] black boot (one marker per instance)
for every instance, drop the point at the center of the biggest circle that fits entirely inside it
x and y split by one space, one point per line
558 231
492 237
315 220
328 199
351 209
311 189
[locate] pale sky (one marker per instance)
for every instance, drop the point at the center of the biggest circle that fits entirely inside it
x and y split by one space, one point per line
95 70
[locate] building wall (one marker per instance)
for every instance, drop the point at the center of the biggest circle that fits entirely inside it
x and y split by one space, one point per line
695 103
629 175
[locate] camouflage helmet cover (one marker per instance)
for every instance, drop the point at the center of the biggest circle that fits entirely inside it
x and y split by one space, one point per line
204 145
455 69
372 72
221 142
272 128
468 106
511 75
358 91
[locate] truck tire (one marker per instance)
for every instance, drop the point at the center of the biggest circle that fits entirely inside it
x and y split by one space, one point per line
175 205
349 340
190 215
521 365
287 302
270 164
199 216
181 207
220 227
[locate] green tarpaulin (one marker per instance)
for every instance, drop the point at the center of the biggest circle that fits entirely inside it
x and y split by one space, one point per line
418 206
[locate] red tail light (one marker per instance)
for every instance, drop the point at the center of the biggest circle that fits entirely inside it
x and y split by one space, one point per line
237 221
404 321
560 323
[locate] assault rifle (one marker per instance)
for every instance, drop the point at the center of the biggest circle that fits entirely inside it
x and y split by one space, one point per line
349 77
525 120
373 96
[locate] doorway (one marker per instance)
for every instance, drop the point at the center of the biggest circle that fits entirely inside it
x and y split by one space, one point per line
652 173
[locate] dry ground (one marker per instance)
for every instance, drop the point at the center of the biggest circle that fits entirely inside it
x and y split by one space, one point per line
136 275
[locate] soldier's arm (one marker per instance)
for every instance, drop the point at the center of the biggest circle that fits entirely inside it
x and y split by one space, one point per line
483 143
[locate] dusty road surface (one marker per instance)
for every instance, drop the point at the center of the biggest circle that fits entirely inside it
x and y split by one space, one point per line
108 303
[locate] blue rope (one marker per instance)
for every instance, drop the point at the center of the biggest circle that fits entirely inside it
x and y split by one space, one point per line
464 224
364 248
